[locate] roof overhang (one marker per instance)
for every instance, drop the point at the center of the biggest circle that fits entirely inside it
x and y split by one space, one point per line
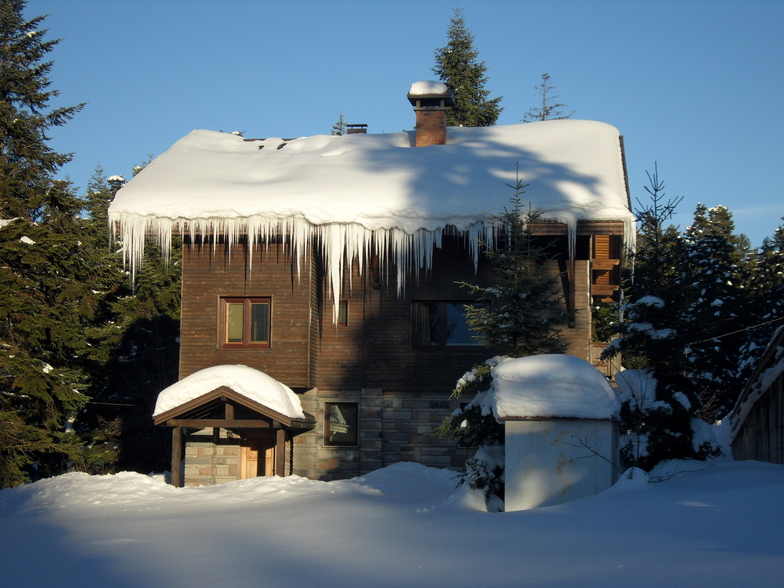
186 415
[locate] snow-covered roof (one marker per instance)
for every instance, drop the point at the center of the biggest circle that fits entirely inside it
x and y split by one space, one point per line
362 191
573 168
552 386
248 382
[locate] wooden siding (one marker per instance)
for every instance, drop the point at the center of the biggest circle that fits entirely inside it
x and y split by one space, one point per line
211 273
760 435
605 267
373 350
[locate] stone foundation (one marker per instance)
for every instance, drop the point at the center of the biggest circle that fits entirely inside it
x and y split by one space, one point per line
393 427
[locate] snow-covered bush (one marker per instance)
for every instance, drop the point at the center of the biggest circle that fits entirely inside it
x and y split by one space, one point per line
475 426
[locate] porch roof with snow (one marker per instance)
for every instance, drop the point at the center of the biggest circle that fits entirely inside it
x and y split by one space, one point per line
192 400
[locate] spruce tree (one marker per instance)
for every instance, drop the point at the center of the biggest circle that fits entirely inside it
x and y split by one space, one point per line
549 110
521 316
661 406
52 278
140 337
457 66
765 292
339 128
710 279
27 163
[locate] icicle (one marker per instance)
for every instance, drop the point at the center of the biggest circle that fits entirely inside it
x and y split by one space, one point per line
340 244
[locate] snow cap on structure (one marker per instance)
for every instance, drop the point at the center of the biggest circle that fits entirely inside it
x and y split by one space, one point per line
552 386
248 382
427 87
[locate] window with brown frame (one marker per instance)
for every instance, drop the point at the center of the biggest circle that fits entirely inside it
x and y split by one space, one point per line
441 323
245 322
341 423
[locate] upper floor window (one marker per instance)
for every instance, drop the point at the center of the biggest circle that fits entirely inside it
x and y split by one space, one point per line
246 322
442 323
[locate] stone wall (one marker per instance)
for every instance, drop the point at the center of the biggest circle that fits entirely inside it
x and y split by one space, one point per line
207 463
393 427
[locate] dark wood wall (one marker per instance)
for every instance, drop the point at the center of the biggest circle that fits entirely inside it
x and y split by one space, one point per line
210 273
760 435
374 349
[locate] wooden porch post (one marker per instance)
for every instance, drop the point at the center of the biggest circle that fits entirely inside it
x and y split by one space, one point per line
176 461
279 469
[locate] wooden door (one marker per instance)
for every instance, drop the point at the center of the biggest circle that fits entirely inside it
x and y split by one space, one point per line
257 458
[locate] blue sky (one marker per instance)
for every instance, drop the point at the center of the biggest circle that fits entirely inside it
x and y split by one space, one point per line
696 86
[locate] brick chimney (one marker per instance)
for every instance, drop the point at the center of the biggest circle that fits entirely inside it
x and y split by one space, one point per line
430 100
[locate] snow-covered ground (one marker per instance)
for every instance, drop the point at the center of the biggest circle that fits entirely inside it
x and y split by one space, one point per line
405 525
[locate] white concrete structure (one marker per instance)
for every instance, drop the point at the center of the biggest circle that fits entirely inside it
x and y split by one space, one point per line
561 429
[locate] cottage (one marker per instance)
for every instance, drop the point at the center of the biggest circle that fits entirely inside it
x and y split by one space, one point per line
757 421
329 263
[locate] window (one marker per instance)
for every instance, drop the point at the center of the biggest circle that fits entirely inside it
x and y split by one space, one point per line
440 323
246 322
341 423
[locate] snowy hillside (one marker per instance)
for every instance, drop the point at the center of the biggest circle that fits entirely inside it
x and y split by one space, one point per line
719 525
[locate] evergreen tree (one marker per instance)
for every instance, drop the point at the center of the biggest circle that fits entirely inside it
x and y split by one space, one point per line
457 66
661 406
710 280
142 350
765 293
339 128
48 278
522 313
549 110
27 163
521 317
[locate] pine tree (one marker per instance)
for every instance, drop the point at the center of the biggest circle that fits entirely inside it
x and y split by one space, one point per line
27 163
47 274
339 128
765 293
140 339
548 110
661 406
521 317
457 66
710 279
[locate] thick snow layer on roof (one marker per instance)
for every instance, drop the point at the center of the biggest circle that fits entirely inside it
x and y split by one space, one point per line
363 191
248 382
552 386
573 169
